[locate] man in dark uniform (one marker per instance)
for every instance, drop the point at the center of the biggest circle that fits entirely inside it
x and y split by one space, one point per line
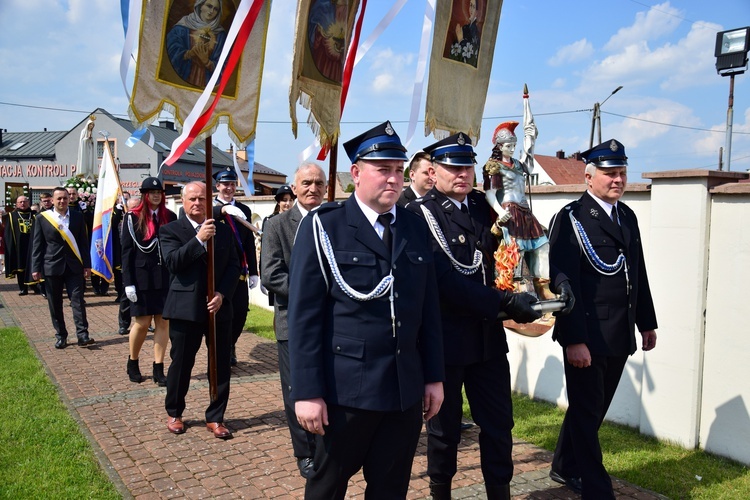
60 255
364 329
421 180
596 244
225 204
275 255
18 226
475 347
183 244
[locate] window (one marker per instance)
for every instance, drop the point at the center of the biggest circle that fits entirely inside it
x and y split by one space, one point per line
100 148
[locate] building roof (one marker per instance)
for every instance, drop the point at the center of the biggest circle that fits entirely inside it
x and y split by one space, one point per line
562 169
164 135
33 145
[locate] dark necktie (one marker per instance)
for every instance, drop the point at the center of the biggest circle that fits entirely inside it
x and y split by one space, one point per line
156 221
464 208
613 215
385 220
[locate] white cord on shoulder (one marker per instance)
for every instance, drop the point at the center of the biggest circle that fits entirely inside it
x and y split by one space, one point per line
437 233
322 242
154 245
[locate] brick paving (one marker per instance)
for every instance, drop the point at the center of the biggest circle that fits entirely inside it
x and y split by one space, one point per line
126 422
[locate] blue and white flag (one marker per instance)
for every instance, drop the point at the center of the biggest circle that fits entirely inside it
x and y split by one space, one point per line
108 192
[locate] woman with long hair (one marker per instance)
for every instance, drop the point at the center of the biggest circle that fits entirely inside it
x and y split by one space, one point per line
145 276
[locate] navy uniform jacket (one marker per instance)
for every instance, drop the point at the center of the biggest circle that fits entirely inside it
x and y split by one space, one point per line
145 271
604 315
51 255
186 261
468 305
344 350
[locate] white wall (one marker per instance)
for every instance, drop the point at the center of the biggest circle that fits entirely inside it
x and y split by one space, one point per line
694 388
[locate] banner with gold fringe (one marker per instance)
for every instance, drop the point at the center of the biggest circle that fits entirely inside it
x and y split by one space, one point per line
179 49
323 33
463 45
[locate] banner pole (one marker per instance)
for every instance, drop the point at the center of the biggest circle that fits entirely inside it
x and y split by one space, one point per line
211 334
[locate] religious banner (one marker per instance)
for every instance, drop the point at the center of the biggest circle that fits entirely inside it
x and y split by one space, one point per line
463 45
179 51
107 195
322 37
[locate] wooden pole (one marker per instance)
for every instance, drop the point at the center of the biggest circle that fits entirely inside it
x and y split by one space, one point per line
332 170
211 334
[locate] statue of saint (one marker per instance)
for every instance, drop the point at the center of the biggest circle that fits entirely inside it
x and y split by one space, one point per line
507 196
86 163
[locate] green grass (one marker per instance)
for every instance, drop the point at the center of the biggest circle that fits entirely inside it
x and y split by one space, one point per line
649 463
260 322
43 454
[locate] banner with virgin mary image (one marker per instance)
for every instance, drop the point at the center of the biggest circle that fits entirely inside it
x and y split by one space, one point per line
463 45
179 48
322 36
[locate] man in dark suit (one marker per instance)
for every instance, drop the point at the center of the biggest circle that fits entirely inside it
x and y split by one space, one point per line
183 245
364 328
19 225
275 255
475 347
60 255
595 243
421 180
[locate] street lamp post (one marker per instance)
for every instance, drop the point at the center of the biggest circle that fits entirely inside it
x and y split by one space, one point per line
596 120
731 59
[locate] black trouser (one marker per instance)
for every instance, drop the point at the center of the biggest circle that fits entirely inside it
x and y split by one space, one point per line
20 278
123 315
590 392
487 386
240 304
74 283
303 443
186 338
382 443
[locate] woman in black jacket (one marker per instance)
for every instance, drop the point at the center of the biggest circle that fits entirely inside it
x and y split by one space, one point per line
145 276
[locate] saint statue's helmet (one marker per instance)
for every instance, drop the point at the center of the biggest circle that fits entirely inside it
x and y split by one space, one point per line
504 133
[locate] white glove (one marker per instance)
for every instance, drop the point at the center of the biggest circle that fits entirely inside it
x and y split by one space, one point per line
252 282
130 293
263 289
232 210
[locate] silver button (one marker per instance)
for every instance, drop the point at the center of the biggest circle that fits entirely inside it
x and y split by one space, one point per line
395 295
398 324
356 259
394 267
398 351
419 259
338 348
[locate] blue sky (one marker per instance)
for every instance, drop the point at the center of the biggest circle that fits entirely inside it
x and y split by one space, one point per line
63 57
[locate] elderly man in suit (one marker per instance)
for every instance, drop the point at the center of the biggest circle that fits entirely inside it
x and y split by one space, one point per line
187 307
60 255
275 255
364 329
595 244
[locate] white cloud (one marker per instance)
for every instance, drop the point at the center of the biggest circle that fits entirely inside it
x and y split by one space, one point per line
576 51
658 21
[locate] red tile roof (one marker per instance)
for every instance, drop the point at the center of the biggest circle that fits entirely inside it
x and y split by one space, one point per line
562 170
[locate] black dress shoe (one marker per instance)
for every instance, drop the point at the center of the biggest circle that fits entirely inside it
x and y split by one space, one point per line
61 343
574 483
23 292
122 331
305 466
85 340
466 426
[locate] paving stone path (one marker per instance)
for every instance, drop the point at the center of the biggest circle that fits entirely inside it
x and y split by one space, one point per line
126 422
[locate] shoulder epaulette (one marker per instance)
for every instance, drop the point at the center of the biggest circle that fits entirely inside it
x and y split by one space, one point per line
327 207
